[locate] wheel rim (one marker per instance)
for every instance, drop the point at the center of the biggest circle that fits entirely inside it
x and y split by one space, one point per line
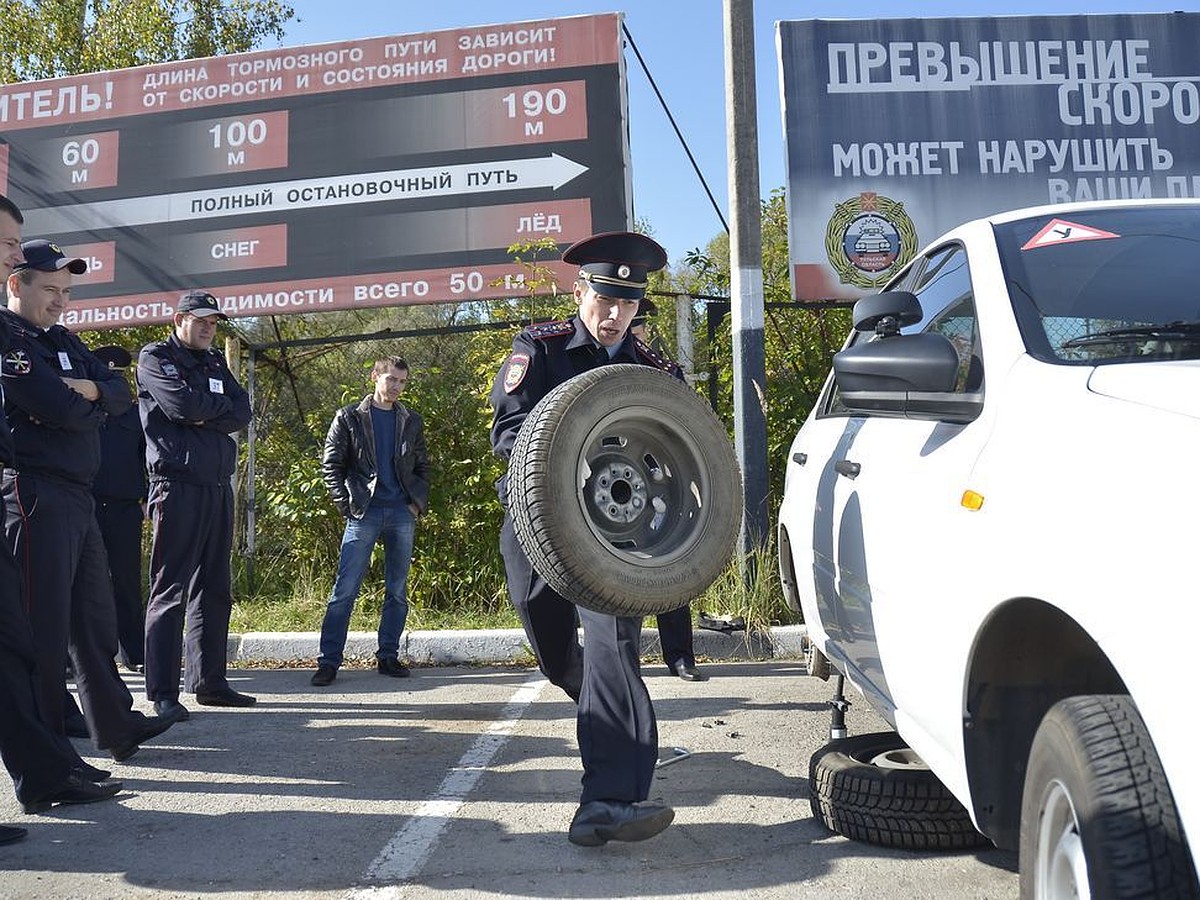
643 486
897 758
1060 866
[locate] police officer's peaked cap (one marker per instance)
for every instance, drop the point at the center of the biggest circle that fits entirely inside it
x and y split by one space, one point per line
114 357
616 263
645 308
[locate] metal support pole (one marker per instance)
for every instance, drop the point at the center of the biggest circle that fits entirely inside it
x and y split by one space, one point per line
745 271
251 438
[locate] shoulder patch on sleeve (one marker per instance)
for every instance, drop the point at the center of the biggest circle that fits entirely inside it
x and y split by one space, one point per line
168 369
544 330
514 371
16 362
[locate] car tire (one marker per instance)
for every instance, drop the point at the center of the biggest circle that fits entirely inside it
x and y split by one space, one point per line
874 788
624 491
1097 815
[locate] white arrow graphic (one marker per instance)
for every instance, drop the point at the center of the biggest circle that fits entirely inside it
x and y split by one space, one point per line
542 172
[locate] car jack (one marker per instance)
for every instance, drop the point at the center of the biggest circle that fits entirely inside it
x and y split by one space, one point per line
837 708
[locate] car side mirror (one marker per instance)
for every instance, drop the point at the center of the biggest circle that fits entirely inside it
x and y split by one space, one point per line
887 313
907 376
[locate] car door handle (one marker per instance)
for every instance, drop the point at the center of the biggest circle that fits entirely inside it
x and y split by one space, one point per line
799 458
847 468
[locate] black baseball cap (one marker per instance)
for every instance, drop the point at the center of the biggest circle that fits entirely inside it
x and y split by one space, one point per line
200 303
616 263
47 256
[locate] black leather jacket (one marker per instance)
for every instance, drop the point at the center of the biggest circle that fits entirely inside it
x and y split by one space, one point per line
349 466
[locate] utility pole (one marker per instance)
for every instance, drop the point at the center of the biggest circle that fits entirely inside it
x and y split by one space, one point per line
745 270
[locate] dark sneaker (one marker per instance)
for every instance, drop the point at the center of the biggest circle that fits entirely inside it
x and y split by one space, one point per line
393 667
600 821
324 675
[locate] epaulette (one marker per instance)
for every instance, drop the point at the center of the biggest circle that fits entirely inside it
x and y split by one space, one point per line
647 353
543 330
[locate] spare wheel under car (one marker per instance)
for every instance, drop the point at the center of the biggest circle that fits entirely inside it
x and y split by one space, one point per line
624 491
875 788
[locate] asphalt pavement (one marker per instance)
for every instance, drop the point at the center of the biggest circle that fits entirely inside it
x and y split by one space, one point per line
460 782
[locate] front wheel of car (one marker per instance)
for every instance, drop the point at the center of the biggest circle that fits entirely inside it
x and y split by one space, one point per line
875 788
1097 815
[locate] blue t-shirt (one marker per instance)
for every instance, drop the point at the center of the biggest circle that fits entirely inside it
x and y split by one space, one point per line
388 490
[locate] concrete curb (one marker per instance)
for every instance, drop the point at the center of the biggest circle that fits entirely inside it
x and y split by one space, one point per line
496 646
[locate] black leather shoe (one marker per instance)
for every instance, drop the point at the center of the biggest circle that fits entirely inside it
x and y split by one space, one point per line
151 727
171 709
10 833
324 676
76 790
392 667
600 821
224 697
688 671
88 772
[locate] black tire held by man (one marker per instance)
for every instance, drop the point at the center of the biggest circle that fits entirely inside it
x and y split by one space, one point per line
873 788
625 492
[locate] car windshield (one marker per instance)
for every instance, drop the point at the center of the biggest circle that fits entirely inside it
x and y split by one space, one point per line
1106 285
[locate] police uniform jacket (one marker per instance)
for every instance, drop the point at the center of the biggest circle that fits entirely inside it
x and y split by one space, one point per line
350 468
122 474
8 454
190 405
543 357
56 431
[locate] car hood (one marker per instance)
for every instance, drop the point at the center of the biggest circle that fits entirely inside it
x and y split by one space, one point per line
1172 386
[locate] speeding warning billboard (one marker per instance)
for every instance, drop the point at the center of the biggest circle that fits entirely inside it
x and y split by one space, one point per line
899 129
379 172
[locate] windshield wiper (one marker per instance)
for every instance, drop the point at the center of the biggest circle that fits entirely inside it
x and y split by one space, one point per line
1169 331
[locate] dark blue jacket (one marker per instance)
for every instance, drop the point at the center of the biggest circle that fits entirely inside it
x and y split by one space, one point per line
122 474
8 453
190 405
55 431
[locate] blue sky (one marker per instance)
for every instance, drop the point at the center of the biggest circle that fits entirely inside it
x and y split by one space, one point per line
682 43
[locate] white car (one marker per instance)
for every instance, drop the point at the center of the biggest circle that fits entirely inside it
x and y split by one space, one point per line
987 525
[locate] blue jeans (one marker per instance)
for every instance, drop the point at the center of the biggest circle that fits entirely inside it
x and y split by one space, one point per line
395 526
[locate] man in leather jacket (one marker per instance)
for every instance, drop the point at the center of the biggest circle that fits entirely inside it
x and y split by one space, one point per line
376 468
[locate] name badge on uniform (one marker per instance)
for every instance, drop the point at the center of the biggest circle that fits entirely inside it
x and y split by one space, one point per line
216 386
64 361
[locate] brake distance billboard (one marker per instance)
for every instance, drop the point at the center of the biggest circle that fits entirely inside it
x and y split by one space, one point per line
899 129
377 172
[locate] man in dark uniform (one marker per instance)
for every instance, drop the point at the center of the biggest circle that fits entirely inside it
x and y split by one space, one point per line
675 627
45 769
120 492
616 726
56 396
191 406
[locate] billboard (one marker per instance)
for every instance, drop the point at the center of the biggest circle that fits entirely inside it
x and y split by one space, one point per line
899 129
378 172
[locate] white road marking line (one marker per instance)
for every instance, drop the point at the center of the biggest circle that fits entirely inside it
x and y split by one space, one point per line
408 849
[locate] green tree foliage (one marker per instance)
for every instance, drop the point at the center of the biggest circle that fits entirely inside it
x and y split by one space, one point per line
52 38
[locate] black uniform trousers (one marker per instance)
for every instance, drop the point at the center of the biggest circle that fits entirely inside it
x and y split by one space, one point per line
51 527
189 575
675 634
615 722
120 522
34 757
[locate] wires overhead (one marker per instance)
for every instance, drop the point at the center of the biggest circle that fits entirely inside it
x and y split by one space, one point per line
678 133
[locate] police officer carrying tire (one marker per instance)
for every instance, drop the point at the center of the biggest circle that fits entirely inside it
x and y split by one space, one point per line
617 729
57 394
191 406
